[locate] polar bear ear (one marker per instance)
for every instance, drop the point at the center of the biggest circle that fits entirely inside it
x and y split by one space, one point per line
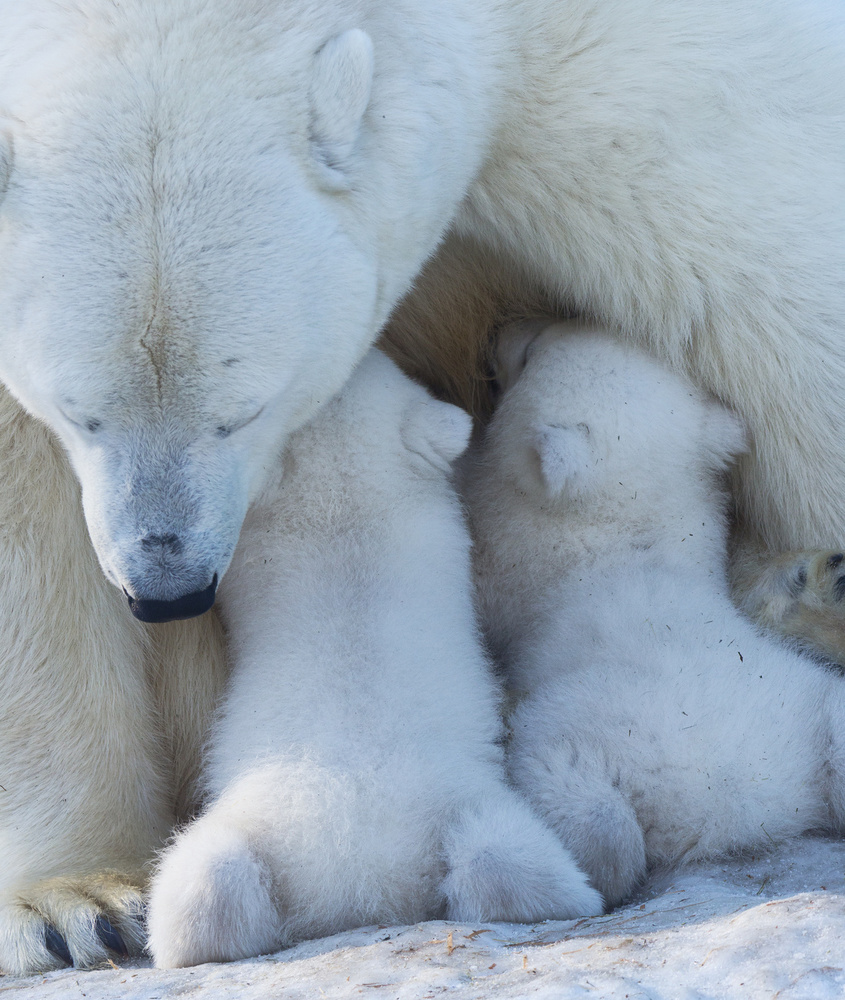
437 432
5 161
567 458
340 92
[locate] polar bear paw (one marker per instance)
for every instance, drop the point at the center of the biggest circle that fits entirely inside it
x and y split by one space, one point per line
798 594
505 864
82 921
211 900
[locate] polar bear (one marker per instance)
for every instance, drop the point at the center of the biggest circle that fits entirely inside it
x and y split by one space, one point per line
654 722
208 211
355 774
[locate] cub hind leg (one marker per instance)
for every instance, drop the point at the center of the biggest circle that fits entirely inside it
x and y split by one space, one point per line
505 864
574 789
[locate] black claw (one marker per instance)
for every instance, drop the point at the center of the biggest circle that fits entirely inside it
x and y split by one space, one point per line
796 584
109 936
835 560
57 945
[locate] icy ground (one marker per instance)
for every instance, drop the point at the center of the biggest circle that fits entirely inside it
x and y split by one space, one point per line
766 927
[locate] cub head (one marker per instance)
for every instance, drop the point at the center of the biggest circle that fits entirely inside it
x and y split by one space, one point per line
583 414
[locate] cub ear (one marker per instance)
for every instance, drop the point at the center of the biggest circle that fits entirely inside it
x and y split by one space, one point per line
567 458
340 92
5 160
437 432
512 345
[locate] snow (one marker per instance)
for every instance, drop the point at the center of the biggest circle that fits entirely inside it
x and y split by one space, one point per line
765 927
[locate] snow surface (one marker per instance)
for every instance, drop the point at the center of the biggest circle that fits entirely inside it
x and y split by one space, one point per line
765 927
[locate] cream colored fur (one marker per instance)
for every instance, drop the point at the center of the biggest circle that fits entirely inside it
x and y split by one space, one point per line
796 594
100 728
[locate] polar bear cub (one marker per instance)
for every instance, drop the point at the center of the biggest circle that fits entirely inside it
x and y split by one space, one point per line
654 722
355 772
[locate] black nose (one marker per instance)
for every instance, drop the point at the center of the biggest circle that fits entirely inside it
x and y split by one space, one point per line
187 606
167 543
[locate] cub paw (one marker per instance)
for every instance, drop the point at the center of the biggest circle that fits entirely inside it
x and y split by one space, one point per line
506 865
82 921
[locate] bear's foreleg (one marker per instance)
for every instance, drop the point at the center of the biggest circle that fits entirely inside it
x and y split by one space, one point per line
84 793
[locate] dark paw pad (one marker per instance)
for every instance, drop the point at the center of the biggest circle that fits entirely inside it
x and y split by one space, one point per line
798 582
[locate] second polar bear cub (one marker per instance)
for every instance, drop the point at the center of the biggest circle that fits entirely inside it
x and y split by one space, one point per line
655 723
356 772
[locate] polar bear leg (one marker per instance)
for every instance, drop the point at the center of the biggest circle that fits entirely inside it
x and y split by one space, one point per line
83 800
292 849
577 797
504 864
78 921
212 899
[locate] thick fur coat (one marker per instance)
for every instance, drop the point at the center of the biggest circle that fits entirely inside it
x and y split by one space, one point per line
654 722
356 771
209 211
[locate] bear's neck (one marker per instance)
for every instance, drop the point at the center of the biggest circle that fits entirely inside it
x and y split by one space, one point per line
689 532
523 551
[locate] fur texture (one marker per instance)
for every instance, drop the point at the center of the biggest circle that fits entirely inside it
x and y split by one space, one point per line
209 210
355 774
100 727
655 723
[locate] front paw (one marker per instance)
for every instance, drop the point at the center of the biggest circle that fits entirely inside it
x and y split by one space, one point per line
81 921
798 594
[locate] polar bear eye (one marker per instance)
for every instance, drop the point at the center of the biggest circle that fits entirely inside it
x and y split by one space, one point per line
226 430
91 424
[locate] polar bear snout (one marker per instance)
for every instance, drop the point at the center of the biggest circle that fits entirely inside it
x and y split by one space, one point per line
163 519
188 606
168 576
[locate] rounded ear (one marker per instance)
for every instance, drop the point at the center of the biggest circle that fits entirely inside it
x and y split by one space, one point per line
512 345
341 83
566 457
5 160
437 432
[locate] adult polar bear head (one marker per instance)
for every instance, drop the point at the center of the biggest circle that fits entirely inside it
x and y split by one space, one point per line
207 216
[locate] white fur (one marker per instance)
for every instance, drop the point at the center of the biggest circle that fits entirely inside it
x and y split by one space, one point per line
340 92
199 239
354 774
655 722
695 158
